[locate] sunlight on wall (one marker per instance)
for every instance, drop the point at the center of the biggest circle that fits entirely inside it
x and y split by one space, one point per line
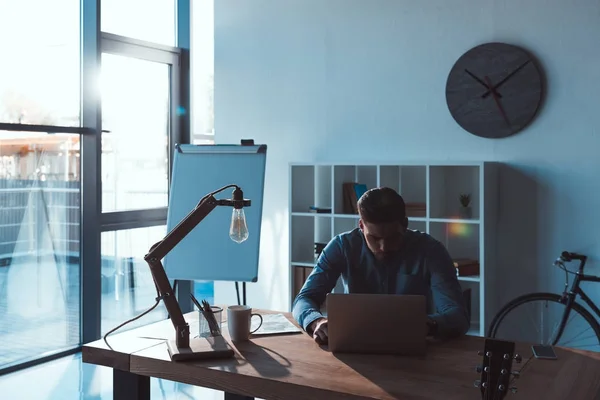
273 267
272 289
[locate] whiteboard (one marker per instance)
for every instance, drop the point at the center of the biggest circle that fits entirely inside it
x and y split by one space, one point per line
207 252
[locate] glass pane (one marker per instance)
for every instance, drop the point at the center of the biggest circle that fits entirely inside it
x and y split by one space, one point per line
135 111
127 286
39 244
153 21
202 65
40 69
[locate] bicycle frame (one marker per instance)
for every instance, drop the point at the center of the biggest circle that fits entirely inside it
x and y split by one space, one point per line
568 298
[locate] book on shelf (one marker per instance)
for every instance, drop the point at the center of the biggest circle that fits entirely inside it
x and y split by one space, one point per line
301 273
352 192
320 210
466 266
416 209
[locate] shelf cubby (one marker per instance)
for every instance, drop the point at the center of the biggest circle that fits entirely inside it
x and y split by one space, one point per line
322 229
472 295
367 174
447 183
341 174
389 176
323 174
303 242
413 184
460 239
303 188
344 224
420 226
302 238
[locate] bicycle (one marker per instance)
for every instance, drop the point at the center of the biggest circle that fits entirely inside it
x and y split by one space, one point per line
568 309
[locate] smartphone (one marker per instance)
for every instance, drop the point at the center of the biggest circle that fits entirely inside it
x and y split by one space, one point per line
544 352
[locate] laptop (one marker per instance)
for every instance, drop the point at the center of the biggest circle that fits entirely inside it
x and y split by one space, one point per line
377 323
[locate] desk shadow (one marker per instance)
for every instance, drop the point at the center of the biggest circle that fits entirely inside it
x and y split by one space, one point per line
265 361
384 370
381 370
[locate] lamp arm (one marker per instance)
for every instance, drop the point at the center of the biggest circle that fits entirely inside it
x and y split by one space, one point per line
160 249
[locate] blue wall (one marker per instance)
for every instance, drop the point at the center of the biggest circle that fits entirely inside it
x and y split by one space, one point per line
363 80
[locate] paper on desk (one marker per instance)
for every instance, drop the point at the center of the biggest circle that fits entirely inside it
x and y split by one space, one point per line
274 324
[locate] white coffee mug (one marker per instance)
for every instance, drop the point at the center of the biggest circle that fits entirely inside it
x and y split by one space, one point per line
238 322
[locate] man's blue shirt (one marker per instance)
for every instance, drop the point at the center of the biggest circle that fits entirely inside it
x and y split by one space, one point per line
423 266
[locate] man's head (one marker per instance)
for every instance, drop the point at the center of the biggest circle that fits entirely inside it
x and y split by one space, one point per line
382 220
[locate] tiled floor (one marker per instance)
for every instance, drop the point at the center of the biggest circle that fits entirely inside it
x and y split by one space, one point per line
71 379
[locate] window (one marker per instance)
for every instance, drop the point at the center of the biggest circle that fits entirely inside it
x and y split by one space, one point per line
49 180
135 112
202 65
39 40
149 20
39 244
127 286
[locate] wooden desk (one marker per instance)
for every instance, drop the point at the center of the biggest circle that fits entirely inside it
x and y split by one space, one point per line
294 367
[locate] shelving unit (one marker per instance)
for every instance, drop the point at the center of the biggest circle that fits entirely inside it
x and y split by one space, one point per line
436 186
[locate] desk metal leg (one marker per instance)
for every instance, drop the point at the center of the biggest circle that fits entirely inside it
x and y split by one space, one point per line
231 396
128 386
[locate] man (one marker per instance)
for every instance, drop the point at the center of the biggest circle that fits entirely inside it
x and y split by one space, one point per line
383 256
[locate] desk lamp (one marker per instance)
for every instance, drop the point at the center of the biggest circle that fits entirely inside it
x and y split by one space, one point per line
183 347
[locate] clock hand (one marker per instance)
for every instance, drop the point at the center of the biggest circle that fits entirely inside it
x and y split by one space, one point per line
479 80
507 77
495 95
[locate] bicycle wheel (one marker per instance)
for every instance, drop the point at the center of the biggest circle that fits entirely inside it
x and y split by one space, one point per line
536 318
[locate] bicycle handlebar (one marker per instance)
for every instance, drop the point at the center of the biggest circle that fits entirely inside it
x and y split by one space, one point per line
569 256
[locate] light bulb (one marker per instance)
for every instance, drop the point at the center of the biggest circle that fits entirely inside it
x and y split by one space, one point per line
238 232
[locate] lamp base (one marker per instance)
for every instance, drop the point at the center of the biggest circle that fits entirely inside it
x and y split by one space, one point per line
201 349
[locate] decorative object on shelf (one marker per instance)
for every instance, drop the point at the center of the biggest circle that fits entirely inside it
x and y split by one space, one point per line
352 192
319 249
465 210
466 267
494 90
496 369
416 210
319 210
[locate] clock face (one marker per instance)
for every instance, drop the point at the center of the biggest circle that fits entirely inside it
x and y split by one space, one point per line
494 90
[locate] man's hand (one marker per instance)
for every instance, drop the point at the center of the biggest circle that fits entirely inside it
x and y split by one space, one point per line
319 330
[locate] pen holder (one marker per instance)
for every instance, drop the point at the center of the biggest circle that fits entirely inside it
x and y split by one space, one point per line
210 323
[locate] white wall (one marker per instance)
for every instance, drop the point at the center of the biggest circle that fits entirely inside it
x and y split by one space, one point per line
364 80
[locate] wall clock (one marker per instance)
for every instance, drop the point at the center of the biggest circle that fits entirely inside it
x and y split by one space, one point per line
494 90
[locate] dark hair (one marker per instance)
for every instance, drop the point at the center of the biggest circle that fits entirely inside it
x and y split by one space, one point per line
380 205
